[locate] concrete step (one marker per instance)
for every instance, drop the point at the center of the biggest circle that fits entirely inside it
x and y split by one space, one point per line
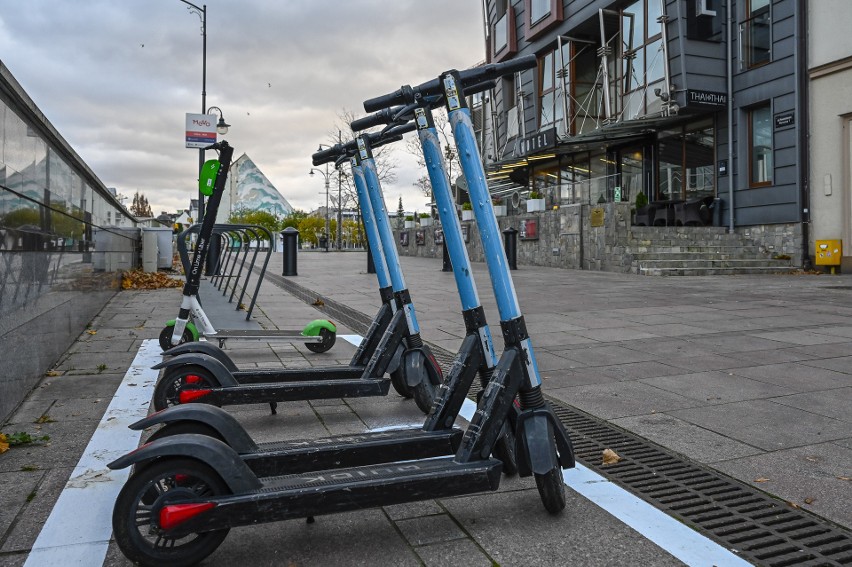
712 251
716 255
714 271
713 263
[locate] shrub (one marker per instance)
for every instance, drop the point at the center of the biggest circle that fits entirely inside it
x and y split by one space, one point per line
466 206
536 195
641 200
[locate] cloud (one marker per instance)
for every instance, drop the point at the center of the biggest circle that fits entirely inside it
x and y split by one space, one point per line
116 79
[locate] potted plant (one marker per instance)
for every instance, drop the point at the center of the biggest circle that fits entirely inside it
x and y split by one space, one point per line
425 219
409 221
535 202
467 211
499 207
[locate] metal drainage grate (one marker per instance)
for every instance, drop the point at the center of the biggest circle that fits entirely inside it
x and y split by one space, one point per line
759 528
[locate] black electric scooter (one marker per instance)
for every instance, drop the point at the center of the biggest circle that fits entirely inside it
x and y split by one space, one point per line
392 345
180 507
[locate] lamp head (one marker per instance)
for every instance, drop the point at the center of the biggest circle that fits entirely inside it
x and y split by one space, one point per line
222 126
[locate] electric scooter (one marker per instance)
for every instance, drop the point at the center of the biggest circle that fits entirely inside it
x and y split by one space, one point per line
192 323
390 347
180 506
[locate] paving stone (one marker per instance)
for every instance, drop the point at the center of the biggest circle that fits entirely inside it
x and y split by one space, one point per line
426 530
35 512
621 399
799 377
716 387
686 438
413 510
458 553
764 424
836 404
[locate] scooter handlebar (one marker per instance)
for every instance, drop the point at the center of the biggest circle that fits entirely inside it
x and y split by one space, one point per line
380 118
377 139
469 78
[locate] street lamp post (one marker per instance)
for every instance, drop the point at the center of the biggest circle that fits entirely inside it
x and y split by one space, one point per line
202 14
326 175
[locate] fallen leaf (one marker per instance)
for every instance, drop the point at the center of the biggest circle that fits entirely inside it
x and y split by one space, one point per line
792 504
53 373
3 445
844 478
137 279
92 332
812 459
761 479
610 457
809 500
319 302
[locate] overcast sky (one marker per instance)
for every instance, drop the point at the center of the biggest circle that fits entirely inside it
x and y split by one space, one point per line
117 78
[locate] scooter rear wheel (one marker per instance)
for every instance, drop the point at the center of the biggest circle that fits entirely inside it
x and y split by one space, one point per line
424 395
328 339
135 517
168 388
166 337
551 489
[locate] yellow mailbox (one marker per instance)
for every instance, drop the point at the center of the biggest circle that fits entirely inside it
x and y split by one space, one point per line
828 252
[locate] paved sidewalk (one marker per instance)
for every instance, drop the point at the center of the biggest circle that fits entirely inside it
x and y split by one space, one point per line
749 375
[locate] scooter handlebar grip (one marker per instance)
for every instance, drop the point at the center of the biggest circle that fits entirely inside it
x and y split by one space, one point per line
384 116
384 101
479 87
493 71
327 155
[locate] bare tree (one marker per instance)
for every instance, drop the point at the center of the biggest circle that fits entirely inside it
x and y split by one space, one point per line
347 195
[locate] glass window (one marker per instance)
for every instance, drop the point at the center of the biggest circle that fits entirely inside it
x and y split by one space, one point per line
755 33
539 9
760 145
643 58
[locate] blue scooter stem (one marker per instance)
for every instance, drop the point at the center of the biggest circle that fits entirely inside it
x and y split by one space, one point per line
368 166
370 227
450 221
489 230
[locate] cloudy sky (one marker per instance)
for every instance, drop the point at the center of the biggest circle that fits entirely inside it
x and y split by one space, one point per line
117 78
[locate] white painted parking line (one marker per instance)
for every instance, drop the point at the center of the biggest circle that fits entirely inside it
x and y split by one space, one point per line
677 539
352 339
78 530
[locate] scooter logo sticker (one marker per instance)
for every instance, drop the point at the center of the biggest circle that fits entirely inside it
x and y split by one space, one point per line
420 117
362 149
451 93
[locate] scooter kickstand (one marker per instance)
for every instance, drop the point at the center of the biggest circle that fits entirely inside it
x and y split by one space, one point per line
310 519
274 407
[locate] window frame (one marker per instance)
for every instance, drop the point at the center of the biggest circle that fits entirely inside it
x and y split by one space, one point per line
751 147
747 59
532 30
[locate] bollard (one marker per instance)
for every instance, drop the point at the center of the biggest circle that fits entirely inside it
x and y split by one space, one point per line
371 266
290 237
448 265
214 250
510 243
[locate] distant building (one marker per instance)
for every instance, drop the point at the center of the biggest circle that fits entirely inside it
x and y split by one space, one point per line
249 189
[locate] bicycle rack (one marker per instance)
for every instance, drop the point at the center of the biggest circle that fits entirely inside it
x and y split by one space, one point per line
237 242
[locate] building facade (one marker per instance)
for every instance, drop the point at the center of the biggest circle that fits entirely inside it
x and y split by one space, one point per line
64 237
682 101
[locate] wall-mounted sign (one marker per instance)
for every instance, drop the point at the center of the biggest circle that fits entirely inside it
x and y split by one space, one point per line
723 167
529 229
706 98
420 237
439 236
403 238
543 140
596 217
784 120
466 232
200 130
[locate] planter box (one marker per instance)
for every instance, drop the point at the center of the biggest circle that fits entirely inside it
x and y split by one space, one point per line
426 221
534 205
467 215
409 224
500 210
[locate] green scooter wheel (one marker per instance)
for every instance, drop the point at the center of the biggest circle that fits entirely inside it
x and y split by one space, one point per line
327 341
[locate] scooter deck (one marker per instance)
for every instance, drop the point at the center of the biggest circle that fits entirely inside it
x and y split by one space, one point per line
303 455
298 374
341 490
261 334
289 391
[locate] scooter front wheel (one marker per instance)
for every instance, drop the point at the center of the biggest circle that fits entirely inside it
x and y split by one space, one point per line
327 341
399 384
166 337
424 395
168 388
135 518
551 489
